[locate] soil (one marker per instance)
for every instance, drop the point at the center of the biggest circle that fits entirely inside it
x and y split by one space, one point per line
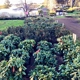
71 24
30 67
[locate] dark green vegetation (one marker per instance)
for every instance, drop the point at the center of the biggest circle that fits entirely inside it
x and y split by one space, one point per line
41 50
59 62
39 29
74 14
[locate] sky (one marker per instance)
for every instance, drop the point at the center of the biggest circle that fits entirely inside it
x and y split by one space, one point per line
17 1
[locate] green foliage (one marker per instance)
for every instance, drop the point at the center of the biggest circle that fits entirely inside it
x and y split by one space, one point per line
45 58
1 37
12 58
5 24
45 27
43 73
39 28
11 42
39 22
72 54
12 69
45 62
65 44
4 53
44 45
9 45
69 70
28 45
76 65
64 72
72 60
21 53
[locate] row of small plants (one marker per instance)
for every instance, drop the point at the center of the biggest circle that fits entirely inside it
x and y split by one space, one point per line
12 58
52 61
39 28
60 61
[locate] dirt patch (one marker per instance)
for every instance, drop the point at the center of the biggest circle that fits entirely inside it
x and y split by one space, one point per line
71 24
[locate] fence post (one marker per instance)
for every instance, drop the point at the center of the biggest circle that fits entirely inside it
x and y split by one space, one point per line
62 24
74 37
56 21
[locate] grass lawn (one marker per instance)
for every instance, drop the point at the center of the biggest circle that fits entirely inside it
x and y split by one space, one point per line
60 16
4 24
74 14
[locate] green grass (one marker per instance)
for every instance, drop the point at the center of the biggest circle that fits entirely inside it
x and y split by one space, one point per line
60 16
5 24
75 14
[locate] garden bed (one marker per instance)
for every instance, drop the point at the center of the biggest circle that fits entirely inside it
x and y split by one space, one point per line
41 49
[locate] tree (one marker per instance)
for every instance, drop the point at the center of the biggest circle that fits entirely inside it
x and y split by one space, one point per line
61 1
76 3
25 6
7 3
72 3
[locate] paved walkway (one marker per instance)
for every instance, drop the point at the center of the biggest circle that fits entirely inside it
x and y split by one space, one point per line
71 24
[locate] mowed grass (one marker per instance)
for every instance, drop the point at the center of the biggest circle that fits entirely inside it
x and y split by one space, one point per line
5 24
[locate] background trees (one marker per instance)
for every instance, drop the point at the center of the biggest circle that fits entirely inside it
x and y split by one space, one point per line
7 3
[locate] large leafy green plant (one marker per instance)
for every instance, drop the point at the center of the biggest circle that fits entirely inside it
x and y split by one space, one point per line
76 65
44 55
8 44
43 73
70 52
4 53
1 37
45 58
13 69
21 53
39 28
72 59
71 69
11 42
64 45
44 45
28 45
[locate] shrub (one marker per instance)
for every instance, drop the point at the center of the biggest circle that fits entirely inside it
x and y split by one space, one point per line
11 42
4 53
64 45
1 37
39 28
44 45
45 58
43 73
21 53
28 45
13 69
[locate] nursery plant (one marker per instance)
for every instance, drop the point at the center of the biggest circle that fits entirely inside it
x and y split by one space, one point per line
13 69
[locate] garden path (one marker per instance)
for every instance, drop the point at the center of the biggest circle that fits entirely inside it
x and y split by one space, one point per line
71 24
